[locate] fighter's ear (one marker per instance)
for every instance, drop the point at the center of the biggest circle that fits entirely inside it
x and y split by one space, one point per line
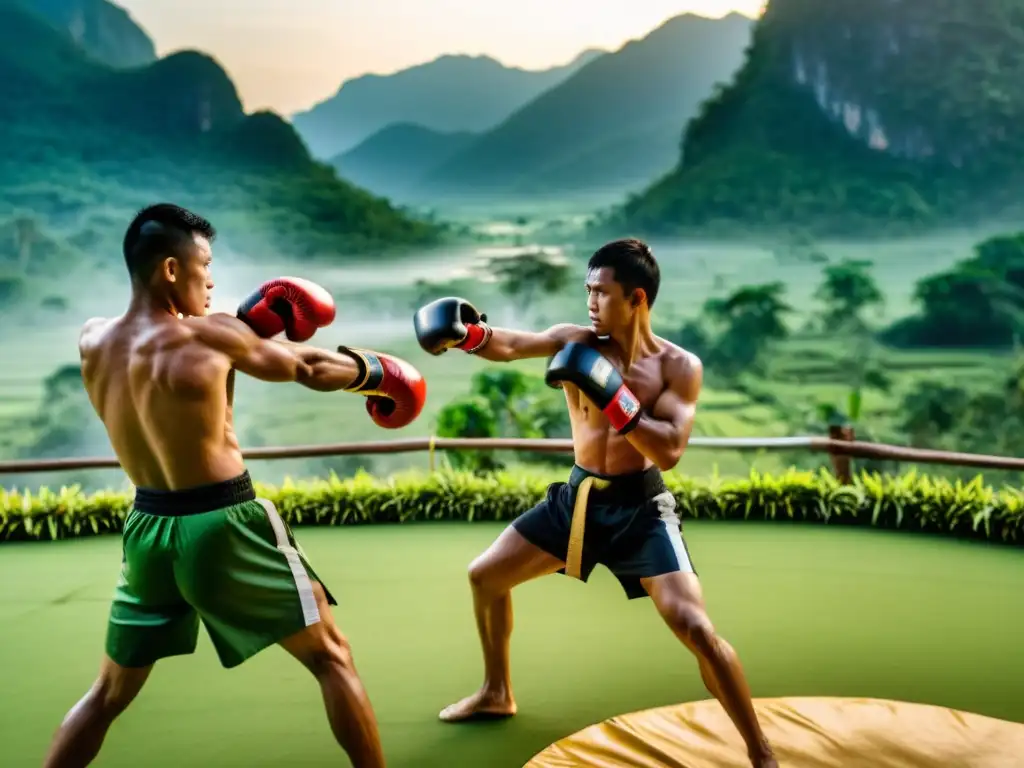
169 268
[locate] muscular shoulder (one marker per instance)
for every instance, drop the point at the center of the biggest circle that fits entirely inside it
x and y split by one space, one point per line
227 337
567 333
219 330
683 370
92 333
200 348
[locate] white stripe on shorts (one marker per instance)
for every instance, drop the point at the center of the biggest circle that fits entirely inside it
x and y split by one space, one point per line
667 507
303 585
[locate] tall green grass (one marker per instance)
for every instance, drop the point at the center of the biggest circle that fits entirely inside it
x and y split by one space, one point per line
908 502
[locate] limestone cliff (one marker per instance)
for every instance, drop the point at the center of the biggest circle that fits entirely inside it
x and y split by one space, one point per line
902 112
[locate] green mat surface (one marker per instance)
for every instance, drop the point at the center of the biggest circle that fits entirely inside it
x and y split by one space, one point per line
811 611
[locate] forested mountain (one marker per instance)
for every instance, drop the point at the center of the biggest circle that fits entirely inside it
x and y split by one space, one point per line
103 29
854 114
86 145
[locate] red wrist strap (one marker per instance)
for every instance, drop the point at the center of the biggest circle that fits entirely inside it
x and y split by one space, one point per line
476 337
623 411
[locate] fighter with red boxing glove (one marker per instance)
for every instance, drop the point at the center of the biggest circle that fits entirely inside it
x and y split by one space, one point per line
197 540
632 398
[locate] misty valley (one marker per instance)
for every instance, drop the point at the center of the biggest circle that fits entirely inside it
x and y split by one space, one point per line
833 252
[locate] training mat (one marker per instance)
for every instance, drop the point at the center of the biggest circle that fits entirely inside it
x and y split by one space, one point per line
805 732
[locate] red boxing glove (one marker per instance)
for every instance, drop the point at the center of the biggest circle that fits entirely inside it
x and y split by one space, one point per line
395 391
290 304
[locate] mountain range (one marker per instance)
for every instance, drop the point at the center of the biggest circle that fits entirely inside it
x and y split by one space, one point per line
449 94
88 144
611 126
863 115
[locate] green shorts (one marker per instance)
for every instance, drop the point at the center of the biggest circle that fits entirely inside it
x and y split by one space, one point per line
214 553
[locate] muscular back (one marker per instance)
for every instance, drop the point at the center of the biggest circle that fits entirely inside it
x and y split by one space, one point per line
165 400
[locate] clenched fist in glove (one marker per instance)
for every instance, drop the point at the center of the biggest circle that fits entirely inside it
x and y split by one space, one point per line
289 304
596 378
451 322
395 391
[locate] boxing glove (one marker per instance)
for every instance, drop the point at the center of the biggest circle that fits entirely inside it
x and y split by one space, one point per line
395 391
290 304
451 322
596 378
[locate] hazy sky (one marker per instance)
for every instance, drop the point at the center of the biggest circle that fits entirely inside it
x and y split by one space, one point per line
289 59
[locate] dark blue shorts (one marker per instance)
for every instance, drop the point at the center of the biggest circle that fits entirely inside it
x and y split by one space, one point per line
631 527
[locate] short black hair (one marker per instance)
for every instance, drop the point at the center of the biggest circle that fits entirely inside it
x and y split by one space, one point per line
633 264
160 231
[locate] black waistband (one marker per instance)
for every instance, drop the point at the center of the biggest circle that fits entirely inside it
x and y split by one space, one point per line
629 487
196 500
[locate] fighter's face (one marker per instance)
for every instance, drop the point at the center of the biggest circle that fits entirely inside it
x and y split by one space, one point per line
610 308
190 279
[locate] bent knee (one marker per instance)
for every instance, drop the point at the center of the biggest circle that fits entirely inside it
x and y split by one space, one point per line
692 624
482 576
321 647
112 694
330 657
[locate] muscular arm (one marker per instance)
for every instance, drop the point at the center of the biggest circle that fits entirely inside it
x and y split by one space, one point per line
276 361
663 435
506 345
328 371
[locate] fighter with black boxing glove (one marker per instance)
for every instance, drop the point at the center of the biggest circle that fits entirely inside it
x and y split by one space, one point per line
632 398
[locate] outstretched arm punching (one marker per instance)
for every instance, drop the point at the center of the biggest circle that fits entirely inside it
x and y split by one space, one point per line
394 390
507 344
270 360
455 323
292 306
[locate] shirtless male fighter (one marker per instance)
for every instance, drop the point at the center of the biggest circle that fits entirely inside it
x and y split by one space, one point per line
632 398
197 543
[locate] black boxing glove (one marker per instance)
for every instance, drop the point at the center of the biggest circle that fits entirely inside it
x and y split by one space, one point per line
451 322
596 378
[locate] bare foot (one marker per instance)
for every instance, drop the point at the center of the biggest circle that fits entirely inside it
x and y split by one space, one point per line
764 761
482 705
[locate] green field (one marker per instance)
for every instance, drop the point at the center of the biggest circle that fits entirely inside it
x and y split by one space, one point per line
812 610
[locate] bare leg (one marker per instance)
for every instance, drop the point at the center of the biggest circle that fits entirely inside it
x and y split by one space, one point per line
509 561
325 652
680 602
81 734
